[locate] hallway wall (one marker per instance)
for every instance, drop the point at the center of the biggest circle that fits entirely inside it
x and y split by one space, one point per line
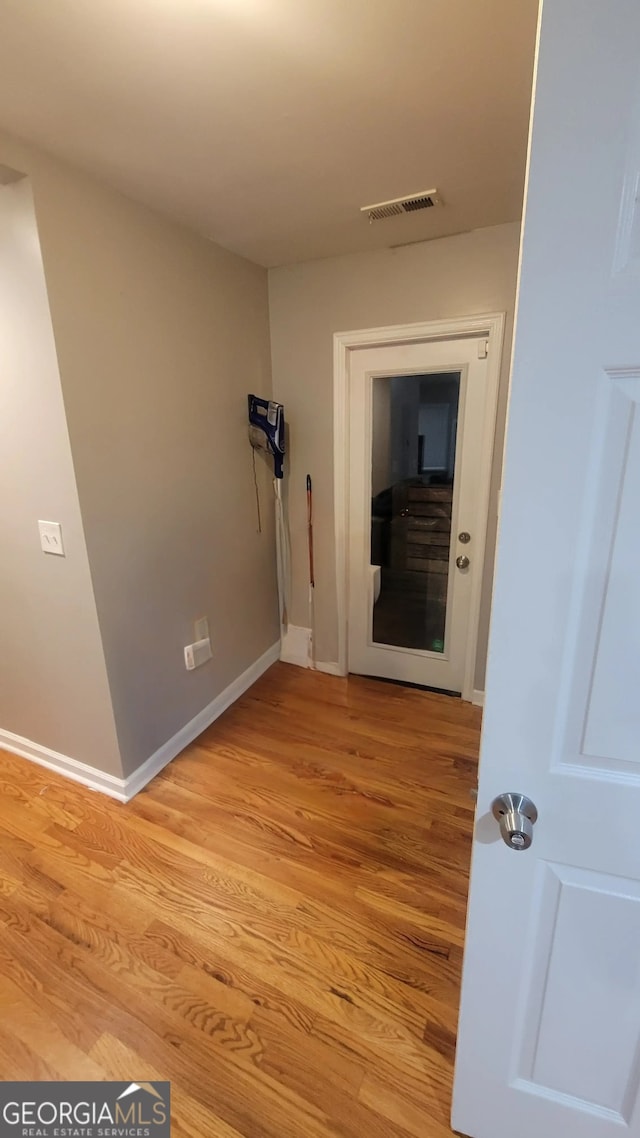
455 276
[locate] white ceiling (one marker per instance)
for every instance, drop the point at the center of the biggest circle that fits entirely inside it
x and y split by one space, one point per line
266 124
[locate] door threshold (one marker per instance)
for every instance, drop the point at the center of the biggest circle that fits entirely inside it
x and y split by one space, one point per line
408 684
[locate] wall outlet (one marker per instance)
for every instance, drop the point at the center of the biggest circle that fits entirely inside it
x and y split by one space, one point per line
197 654
201 629
51 538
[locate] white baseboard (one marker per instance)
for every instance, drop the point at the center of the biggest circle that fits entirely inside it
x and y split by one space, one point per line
63 764
296 649
329 666
477 697
125 788
168 751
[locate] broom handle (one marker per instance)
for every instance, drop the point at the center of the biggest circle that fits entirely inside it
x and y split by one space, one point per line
310 529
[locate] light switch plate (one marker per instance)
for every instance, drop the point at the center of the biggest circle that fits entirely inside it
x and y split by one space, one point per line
51 538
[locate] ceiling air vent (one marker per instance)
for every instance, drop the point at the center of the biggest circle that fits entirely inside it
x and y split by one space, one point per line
410 204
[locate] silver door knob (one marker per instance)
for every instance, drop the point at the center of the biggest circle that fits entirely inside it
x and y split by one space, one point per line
517 816
463 561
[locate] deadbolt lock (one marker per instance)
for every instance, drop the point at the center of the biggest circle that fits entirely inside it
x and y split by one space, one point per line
464 537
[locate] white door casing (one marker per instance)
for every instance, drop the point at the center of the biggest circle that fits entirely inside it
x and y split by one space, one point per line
549 1034
476 422
348 347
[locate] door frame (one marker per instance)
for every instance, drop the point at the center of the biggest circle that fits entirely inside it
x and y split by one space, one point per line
489 324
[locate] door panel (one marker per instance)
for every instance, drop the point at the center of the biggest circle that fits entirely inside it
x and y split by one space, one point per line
589 929
612 720
549 1035
409 602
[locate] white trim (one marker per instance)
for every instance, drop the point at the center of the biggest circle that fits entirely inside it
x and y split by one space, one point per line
490 324
331 667
124 789
296 649
62 764
296 646
477 697
168 751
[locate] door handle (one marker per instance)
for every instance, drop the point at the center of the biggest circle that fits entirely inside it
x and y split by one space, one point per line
517 816
463 561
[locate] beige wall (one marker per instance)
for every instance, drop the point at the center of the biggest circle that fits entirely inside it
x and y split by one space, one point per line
160 334
455 276
53 680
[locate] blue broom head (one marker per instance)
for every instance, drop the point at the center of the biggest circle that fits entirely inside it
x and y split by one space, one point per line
266 429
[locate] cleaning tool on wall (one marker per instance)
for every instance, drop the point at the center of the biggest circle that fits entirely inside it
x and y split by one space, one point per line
283 555
267 433
266 429
312 581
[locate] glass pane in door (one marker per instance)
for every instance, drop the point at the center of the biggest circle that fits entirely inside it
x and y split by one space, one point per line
413 453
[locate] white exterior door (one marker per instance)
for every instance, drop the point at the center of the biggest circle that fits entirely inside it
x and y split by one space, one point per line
421 422
549 1035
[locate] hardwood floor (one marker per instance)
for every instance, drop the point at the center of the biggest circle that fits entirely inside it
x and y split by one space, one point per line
275 924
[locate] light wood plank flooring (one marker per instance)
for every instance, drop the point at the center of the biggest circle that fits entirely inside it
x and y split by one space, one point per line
275 924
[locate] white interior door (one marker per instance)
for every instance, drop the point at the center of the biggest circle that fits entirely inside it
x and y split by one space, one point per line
421 421
549 1036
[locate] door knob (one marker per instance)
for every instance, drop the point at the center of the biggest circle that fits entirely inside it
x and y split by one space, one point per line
463 561
517 816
